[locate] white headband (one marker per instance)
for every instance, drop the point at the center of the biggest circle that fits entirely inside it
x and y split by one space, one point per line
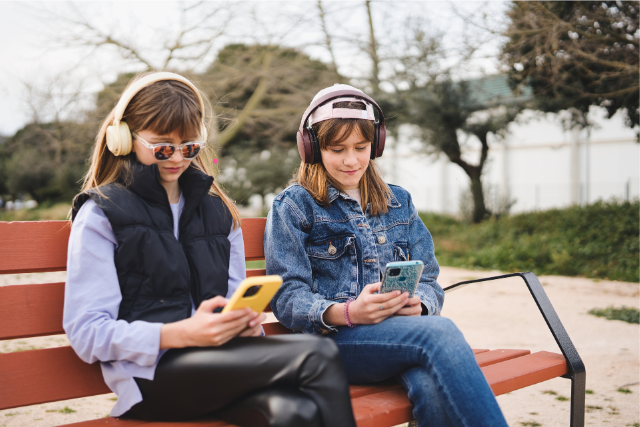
326 111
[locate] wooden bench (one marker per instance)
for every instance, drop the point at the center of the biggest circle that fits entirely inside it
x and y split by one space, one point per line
48 375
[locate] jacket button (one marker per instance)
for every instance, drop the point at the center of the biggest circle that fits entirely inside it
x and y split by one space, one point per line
332 249
382 240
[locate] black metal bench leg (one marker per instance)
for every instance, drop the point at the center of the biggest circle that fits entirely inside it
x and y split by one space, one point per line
578 388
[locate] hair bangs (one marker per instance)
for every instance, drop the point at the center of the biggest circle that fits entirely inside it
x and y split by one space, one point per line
167 107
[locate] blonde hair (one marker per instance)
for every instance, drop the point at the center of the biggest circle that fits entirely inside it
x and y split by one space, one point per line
163 107
314 177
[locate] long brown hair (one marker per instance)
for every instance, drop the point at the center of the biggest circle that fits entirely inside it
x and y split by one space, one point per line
163 107
314 177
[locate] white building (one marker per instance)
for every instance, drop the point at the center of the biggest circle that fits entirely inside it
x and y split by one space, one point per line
537 166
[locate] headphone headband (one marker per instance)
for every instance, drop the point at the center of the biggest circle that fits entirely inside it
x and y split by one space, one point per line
338 94
145 81
118 135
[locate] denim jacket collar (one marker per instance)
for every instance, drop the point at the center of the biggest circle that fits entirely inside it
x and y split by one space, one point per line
334 193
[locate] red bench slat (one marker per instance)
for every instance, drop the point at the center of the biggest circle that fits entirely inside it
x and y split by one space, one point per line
387 408
31 310
40 376
256 272
496 356
109 422
524 371
30 246
115 422
253 234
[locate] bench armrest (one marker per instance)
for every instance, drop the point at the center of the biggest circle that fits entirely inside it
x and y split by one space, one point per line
577 372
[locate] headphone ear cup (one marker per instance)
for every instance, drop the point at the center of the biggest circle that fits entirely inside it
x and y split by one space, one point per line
379 140
374 143
119 139
304 146
315 145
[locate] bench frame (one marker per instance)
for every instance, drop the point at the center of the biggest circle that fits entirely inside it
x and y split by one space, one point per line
55 374
577 372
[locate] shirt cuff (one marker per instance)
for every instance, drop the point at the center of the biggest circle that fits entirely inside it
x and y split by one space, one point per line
316 316
425 310
428 306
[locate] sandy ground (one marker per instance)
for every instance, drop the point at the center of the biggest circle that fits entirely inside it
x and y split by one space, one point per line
492 315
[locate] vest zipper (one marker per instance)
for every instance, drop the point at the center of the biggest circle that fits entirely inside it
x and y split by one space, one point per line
192 291
194 287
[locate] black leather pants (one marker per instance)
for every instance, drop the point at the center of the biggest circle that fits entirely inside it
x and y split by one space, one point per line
277 381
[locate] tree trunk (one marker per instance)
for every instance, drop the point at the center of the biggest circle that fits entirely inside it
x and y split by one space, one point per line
474 172
479 208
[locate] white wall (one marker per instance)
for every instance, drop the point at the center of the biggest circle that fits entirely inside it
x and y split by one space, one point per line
538 165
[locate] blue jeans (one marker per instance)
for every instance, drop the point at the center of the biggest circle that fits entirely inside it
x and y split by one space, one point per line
430 357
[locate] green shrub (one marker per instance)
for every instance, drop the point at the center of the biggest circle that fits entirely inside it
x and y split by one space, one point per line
598 240
626 314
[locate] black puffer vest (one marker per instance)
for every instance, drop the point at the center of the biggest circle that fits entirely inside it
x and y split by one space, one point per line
158 273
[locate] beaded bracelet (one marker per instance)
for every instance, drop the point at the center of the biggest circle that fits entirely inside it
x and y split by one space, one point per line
346 313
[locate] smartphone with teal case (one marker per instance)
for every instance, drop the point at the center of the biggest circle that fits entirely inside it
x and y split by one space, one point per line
402 276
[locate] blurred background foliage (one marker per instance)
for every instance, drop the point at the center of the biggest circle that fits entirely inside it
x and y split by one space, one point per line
598 240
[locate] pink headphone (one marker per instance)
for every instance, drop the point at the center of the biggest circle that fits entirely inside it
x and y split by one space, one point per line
308 145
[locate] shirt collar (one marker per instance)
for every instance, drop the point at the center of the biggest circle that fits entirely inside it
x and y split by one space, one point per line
334 193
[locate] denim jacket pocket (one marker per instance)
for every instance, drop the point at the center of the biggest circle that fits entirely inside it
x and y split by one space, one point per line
401 251
335 266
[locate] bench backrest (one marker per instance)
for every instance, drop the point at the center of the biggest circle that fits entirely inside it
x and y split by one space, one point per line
39 376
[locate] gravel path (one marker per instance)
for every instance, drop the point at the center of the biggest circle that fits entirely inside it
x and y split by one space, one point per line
491 315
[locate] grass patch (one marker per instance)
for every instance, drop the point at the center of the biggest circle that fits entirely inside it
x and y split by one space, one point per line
551 392
65 410
597 241
44 212
562 398
588 392
626 314
530 423
624 390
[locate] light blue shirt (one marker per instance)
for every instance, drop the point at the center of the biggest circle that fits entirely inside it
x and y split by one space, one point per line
92 298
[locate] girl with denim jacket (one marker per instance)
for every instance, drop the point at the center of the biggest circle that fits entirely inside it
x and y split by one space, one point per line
155 248
331 233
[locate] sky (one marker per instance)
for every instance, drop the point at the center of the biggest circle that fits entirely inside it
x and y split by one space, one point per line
32 59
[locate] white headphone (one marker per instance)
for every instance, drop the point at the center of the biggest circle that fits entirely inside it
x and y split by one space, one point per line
118 134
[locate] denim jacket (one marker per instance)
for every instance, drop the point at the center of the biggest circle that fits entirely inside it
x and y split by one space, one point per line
327 254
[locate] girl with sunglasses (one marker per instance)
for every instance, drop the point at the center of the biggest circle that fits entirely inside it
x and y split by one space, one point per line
155 247
331 234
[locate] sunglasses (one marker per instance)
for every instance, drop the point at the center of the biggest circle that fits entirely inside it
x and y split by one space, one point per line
164 151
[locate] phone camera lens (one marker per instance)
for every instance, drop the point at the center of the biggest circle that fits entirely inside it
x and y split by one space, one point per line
394 272
252 291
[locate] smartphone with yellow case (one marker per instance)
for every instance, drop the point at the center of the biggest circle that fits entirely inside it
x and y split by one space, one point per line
254 292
